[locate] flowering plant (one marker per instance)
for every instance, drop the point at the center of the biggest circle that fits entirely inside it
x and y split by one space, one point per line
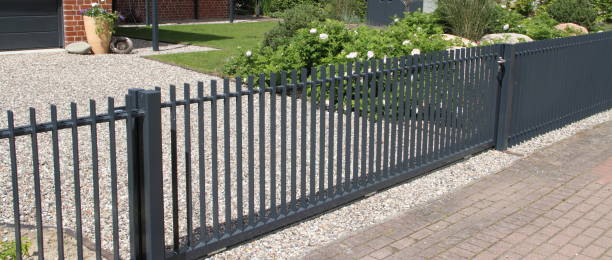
105 20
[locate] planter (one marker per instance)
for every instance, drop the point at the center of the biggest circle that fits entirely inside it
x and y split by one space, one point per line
100 42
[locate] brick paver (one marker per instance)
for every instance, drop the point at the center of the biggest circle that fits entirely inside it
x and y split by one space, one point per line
554 204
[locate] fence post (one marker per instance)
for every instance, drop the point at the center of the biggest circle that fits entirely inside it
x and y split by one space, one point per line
504 97
145 169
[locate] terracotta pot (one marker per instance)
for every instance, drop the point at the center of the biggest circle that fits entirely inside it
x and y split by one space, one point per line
100 42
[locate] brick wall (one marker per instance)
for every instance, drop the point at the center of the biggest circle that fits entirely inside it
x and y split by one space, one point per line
175 9
74 30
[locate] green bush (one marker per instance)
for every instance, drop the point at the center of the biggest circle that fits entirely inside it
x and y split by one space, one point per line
331 42
540 27
8 250
294 19
528 7
468 18
581 12
506 16
604 10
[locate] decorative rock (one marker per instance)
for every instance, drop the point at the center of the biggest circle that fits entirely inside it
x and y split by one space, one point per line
572 27
466 42
511 38
79 48
121 45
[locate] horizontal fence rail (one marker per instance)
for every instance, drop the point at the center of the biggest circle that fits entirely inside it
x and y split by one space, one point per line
196 169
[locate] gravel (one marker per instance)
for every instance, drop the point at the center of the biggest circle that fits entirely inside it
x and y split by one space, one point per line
38 80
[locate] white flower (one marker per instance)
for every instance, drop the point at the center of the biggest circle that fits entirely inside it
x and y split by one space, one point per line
415 52
396 20
94 4
313 30
352 55
248 53
503 6
370 54
323 36
406 42
506 27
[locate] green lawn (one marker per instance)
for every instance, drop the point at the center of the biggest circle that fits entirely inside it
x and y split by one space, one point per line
608 27
231 39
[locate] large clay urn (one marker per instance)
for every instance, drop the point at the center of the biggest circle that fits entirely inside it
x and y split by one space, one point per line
98 39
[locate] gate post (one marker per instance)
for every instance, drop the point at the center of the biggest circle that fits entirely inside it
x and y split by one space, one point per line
504 96
145 176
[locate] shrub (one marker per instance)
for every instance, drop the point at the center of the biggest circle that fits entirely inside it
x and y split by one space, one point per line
540 27
468 18
528 7
506 16
580 12
295 18
604 10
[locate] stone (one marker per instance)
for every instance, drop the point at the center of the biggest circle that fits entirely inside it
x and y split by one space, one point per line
572 28
78 48
464 41
511 38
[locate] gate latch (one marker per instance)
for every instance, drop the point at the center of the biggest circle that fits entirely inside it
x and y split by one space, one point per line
501 70
501 60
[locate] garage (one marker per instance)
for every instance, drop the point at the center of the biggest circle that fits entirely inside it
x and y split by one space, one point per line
30 24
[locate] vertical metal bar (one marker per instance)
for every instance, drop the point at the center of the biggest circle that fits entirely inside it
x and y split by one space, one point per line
357 112
155 29
439 102
372 119
409 114
215 157
283 145
134 191
15 184
188 181
201 164
340 105
113 168
303 121
273 213
420 113
330 142
251 150
322 96
448 90
387 104
313 133
262 147
57 183
461 100
349 112
226 157
430 108
293 140
379 118
174 170
95 176
150 158
403 100
239 169
504 116
394 112
37 194
365 117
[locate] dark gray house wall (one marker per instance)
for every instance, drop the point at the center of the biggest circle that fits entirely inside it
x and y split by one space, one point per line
381 11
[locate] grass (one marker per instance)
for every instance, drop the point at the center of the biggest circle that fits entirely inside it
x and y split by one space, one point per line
607 27
231 39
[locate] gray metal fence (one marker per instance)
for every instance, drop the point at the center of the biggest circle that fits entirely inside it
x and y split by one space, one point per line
235 159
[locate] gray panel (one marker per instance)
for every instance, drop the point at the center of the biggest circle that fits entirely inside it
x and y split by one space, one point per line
381 11
27 24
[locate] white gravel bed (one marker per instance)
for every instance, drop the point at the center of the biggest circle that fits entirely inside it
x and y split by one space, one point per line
297 240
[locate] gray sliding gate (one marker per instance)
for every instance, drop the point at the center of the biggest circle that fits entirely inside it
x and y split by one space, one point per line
232 160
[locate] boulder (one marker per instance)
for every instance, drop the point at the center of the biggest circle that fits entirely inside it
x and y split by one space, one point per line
79 48
464 41
511 38
573 28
